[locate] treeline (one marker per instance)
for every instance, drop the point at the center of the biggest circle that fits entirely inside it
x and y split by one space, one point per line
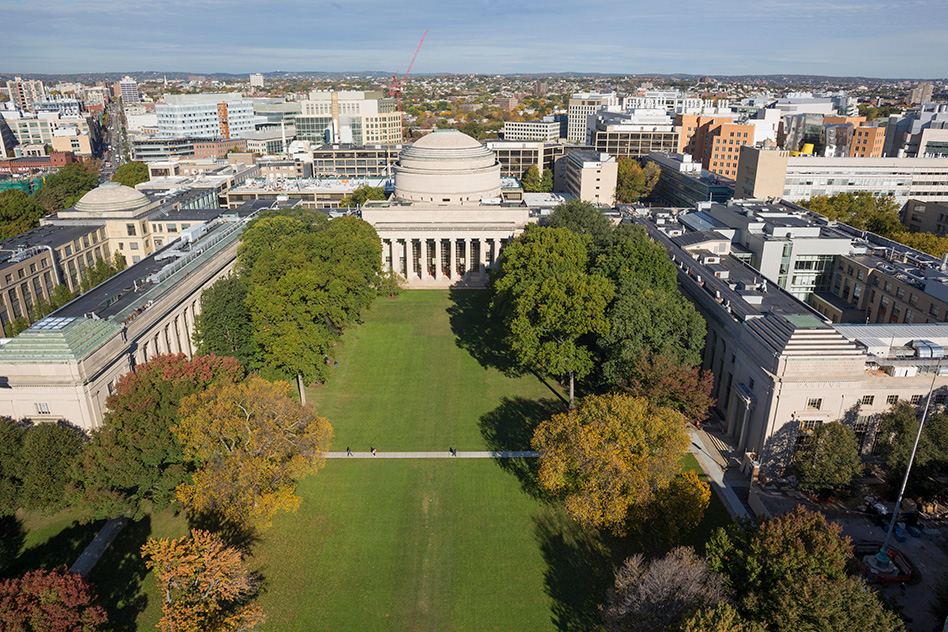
301 281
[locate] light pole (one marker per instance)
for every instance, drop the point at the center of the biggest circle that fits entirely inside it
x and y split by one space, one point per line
883 555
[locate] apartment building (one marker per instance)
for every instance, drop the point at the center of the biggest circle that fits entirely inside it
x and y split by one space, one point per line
581 105
24 92
128 90
587 175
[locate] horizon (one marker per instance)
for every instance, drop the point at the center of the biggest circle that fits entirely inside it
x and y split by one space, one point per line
488 38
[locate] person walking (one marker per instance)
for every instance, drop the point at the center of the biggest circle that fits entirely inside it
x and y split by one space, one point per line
372 450
348 451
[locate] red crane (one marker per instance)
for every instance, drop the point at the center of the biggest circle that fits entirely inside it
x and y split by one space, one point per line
396 89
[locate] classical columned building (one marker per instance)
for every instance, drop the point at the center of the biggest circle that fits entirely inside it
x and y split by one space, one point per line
448 220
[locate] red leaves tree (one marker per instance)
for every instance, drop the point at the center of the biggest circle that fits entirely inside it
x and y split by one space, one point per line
50 601
665 382
205 585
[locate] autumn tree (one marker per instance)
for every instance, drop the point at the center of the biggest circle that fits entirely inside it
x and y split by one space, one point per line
665 382
50 450
861 210
50 601
252 442
614 452
656 595
205 586
134 459
361 195
721 618
131 173
223 327
926 242
547 302
635 181
674 512
828 459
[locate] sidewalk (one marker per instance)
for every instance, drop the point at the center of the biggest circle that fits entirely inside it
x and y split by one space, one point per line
716 473
99 545
527 454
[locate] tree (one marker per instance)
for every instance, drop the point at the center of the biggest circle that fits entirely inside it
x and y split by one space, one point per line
583 218
632 258
64 188
897 431
12 434
546 181
50 601
134 459
361 195
820 604
861 210
656 595
390 284
926 242
223 327
633 181
131 173
614 452
252 442
828 460
721 618
548 302
93 276
674 512
205 585
18 213
49 452
788 548
531 179
665 382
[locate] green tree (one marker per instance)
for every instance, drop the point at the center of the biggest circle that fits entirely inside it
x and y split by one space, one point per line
134 459
99 273
926 242
861 210
611 454
223 327
361 195
820 604
60 295
64 188
633 181
583 218
721 618
897 431
18 213
546 181
828 460
49 452
131 173
390 284
632 258
12 434
548 302
531 179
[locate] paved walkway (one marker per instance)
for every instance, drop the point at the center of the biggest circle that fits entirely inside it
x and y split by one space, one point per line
444 454
99 545
715 472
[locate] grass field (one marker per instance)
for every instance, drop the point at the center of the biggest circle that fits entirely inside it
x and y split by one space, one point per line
383 544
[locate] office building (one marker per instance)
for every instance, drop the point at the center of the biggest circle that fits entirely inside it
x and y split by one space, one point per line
922 93
266 143
71 139
516 157
868 141
256 80
38 129
634 134
768 173
683 183
532 130
587 175
24 92
210 115
926 217
355 161
128 90
903 133
714 141
67 108
358 118
581 106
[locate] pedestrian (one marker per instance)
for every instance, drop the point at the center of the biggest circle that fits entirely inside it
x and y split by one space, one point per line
335 364
348 451
451 451
372 450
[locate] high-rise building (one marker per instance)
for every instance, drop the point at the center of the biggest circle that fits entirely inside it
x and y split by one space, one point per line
211 115
24 93
580 107
633 134
128 88
359 118
922 93
714 141
587 175
256 80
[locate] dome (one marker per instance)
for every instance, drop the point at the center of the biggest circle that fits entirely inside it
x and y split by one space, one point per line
447 167
112 196
446 139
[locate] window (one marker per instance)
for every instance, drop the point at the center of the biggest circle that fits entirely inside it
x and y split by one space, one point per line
868 399
916 400
42 408
130 229
172 228
750 384
891 400
814 403
809 425
133 245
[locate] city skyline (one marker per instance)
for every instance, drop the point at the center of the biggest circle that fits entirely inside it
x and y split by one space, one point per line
772 37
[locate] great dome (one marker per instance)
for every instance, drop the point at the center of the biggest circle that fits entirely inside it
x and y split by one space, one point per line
447 167
112 197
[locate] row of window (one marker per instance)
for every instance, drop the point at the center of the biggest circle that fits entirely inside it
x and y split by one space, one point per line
816 403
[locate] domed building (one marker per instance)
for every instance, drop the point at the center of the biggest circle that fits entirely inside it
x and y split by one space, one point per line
447 167
449 219
112 198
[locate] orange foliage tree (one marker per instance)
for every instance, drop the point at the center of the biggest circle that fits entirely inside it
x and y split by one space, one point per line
614 452
204 584
252 442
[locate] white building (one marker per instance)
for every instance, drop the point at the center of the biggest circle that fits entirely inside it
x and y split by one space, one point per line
359 118
581 106
24 93
213 115
256 80
129 90
532 130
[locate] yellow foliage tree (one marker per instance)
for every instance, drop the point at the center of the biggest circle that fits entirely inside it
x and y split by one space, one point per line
252 442
614 452
675 510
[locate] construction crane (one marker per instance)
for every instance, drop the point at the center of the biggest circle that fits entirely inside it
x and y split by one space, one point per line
396 89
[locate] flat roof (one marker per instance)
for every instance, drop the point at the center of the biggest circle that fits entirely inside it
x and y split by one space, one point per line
48 235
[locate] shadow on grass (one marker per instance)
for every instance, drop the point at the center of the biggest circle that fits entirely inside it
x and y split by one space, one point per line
235 535
62 548
477 332
120 574
510 426
12 536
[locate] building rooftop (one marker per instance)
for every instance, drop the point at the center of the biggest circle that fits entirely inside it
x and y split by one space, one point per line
53 236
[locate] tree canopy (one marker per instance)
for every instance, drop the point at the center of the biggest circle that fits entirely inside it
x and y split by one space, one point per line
135 458
635 181
828 459
223 327
131 173
897 431
861 210
64 188
614 452
50 601
50 450
583 218
251 442
18 213
361 195
665 382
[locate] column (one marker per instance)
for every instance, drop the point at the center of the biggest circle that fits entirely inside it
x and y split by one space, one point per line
175 338
438 256
467 256
423 258
409 267
393 260
188 332
453 258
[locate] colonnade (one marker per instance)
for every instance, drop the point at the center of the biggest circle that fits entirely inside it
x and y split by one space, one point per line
441 259
172 335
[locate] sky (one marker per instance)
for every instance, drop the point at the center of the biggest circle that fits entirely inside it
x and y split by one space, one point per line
872 38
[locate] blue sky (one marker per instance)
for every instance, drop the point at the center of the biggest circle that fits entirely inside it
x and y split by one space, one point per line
879 38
